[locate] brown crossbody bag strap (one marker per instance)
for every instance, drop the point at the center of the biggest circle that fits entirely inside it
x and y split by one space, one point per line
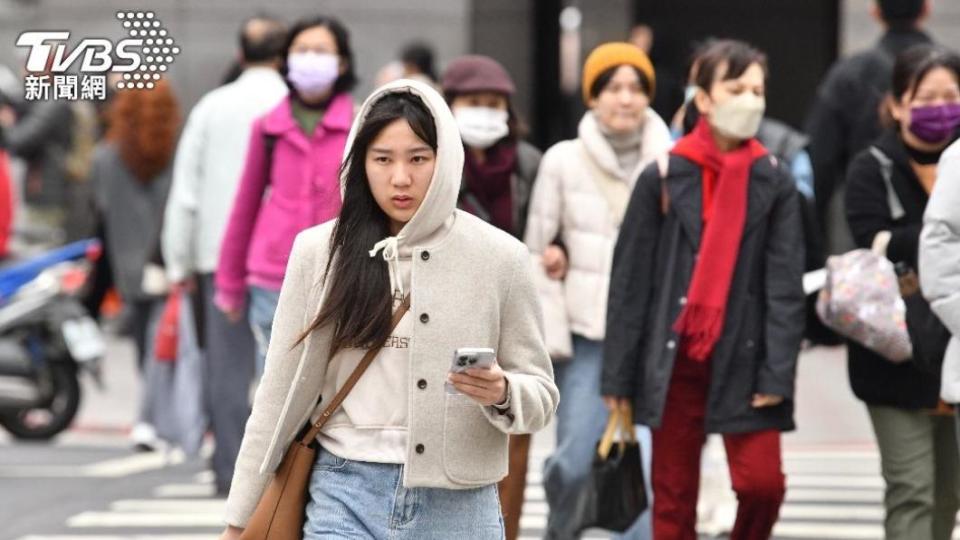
341 395
280 513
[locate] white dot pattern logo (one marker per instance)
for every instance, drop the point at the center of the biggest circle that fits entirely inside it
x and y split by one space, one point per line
159 51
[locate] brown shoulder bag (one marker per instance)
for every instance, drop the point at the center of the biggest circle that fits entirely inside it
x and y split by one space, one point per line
282 508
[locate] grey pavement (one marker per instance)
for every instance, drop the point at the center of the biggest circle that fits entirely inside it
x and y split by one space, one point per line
89 485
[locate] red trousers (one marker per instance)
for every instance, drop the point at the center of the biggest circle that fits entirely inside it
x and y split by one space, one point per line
753 458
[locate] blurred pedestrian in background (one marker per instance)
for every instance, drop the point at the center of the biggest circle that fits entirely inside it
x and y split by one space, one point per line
295 150
206 177
130 176
418 64
40 132
791 148
918 444
939 263
6 202
498 174
843 119
579 197
706 301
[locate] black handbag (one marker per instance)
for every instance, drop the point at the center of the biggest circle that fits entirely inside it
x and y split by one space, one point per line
614 495
928 336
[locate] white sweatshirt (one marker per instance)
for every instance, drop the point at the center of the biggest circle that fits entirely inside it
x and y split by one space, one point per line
371 425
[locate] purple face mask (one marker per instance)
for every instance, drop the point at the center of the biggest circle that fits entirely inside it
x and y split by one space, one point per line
312 73
934 123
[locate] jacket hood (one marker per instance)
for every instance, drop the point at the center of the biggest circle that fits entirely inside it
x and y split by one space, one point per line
441 199
440 202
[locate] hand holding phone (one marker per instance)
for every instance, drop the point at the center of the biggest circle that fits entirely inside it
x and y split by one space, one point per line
475 373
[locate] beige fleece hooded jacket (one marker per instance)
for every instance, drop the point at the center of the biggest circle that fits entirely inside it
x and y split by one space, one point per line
470 287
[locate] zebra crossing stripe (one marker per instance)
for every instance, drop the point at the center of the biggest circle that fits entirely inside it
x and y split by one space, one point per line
805 495
184 490
189 506
146 519
111 468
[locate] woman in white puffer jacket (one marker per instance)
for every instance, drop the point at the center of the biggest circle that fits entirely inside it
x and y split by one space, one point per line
580 196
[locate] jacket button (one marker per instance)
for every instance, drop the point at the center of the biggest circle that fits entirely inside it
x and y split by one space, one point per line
683 300
671 344
422 384
425 255
749 343
424 318
420 449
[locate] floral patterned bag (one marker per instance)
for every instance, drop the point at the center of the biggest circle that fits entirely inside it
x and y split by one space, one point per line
861 301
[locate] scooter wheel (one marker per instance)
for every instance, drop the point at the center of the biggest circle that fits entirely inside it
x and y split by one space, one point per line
43 423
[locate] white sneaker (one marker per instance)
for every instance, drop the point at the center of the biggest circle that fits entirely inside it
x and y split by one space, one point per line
144 437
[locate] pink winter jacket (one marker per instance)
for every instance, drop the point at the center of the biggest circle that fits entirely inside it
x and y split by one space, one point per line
304 191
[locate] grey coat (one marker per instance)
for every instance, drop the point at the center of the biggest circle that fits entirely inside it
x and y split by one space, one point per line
940 263
43 138
132 213
652 267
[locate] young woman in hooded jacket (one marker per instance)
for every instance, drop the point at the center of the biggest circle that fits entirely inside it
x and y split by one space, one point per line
579 197
403 457
917 439
706 303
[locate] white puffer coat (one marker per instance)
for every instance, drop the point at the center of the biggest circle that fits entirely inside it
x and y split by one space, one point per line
567 201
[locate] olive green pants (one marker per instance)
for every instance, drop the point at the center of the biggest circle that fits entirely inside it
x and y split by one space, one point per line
920 464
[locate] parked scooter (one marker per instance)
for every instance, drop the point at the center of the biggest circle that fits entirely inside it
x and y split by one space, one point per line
47 339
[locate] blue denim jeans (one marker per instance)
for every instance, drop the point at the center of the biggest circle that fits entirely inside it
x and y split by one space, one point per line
263 305
581 419
355 499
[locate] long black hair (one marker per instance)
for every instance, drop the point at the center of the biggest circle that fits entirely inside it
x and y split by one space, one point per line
348 79
358 303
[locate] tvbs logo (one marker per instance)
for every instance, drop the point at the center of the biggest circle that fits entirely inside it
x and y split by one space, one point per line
44 48
141 58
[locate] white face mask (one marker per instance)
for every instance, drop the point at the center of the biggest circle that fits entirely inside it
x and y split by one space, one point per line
481 127
739 117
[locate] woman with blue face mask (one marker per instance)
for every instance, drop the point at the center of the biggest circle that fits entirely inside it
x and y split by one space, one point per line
296 150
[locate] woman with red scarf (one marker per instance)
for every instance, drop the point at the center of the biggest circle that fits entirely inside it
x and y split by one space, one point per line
706 304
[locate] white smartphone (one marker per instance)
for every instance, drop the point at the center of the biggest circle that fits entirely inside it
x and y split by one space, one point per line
466 358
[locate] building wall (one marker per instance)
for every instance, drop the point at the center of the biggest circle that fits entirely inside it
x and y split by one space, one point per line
206 30
501 29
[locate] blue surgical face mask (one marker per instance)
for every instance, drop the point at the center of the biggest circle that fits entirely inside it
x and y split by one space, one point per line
689 92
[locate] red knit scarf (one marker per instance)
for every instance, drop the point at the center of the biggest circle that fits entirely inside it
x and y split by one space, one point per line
725 180
490 182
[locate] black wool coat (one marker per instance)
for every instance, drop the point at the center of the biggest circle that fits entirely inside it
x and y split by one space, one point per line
652 268
874 379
